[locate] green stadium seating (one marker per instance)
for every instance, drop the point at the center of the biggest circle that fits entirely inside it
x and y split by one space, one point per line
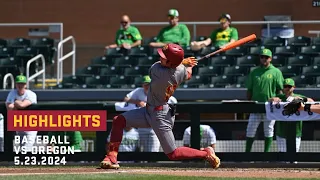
299 60
316 41
101 61
290 71
207 50
110 71
94 82
201 38
147 40
8 65
236 70
135 71
278 60
241 79
255 43
124 61
195 81
299 41
248 60
209 70
138 52
188 52
72 82
256 50
313 70
222 81
3 43
238 51
311 50
286 50
114 52
6 52
316 61
117 82
19 43
274 41
222 61
87 71
146 61
302 81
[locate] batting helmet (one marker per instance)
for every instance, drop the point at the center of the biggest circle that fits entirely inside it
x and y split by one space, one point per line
173 53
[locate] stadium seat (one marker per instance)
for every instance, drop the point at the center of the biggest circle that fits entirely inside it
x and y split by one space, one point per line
87 71
135 71
201 38
101 61
146 61
222 61
222 81
114 52
316 41
207 50
188 52
286 50
25 54
8 65
124 61
299 41
94 82
19 43
248 60
241 80
238 51
299 60
290 71
256 50
311 50
45 47
204 62
195 81
3 43
72 81
110 71
236 70
311 70
209 70
235 86
117 82
254 43
154 53
278 60
316 61
147 40
274 41
138 52
302 81
6 52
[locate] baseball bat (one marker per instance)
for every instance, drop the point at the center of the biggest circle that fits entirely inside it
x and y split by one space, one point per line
231 46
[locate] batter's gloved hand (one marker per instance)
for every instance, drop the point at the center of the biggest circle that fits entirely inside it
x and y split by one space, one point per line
190 62
293 106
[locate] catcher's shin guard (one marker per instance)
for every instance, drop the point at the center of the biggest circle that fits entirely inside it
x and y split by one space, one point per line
110 161
211 157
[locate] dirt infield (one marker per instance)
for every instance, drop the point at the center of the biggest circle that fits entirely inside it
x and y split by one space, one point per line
222 172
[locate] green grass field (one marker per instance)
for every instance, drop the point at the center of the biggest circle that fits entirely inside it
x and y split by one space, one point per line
124 177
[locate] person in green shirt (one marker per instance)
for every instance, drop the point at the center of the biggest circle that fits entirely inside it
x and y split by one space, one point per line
263 83
174 33
127 36
74 137
282 126
219 37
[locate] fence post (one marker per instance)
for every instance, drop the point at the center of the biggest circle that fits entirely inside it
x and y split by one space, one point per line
291 140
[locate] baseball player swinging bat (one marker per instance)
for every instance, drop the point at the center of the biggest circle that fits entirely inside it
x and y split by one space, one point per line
237 43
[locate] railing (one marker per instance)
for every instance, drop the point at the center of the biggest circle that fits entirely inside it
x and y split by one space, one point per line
5 80
194 24
314 32
61 58
42 71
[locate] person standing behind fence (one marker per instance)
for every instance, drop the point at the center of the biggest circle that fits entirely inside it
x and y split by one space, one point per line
282 126
207 137
21 98
263 83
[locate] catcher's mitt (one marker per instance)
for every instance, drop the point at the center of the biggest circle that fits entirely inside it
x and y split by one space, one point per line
292 107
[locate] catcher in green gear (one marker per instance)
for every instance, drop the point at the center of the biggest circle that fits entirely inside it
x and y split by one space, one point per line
282 126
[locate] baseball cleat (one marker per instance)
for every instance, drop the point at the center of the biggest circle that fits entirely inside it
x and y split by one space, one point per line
107 163
211 157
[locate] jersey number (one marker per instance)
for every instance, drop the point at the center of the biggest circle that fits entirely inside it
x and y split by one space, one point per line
170 90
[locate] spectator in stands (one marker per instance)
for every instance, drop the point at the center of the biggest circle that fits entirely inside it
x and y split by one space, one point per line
207 137
174 33
282 126
263 83
21 98
219 37
73 137
127 36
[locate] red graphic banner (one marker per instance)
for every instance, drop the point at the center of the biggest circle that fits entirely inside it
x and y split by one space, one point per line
56 120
